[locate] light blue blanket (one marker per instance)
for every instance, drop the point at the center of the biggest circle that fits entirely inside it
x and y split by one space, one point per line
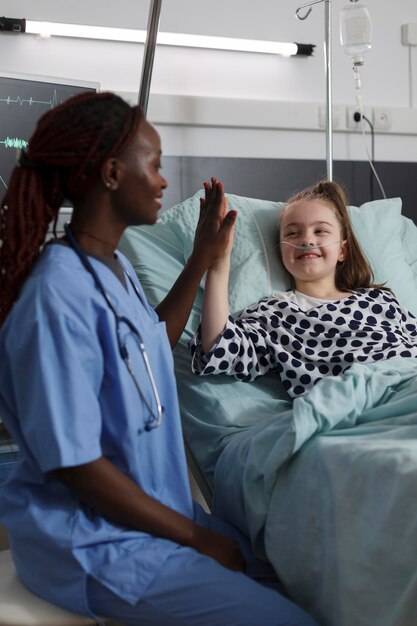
327 491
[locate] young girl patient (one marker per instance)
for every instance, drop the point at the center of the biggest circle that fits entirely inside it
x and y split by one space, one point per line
335 315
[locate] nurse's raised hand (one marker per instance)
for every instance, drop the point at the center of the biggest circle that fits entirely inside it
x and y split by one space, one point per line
214 233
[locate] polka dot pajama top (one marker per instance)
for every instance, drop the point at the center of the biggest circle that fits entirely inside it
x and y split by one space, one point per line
303 346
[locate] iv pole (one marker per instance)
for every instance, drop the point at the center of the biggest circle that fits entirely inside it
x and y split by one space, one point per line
149 54
328 70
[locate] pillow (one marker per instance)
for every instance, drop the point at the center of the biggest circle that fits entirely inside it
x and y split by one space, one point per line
379 227
256 270
409 238
157 257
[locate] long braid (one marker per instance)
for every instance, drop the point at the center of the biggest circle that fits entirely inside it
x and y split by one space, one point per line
63 159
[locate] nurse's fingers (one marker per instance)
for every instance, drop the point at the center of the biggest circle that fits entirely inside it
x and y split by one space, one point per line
211 206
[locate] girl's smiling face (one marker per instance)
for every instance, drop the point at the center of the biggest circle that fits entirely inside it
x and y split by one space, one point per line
311 223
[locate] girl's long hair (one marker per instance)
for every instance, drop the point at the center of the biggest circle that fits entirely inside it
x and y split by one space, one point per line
63 160
354 272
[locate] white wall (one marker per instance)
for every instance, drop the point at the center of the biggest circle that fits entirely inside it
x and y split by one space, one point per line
195 124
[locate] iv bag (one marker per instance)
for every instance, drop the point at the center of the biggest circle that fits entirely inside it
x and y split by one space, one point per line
355 29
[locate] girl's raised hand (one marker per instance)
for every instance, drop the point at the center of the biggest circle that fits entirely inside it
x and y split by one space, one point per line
214 233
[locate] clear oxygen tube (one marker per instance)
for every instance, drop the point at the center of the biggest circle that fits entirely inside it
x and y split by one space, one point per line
309 246
355 37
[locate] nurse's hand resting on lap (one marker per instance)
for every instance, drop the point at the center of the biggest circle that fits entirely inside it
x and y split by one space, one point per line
114 495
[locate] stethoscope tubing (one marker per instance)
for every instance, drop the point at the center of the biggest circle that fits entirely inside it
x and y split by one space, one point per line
119 319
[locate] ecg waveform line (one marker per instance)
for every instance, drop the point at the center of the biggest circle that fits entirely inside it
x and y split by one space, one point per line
21 101
14 142
2 181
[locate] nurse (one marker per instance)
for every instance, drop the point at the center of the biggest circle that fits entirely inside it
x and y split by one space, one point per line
98 508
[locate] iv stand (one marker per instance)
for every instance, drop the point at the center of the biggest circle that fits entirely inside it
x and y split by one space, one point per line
149 54
328 70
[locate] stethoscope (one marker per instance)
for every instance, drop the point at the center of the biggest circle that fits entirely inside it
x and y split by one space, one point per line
155 418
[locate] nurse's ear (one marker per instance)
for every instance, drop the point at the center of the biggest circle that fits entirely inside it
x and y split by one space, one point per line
111 173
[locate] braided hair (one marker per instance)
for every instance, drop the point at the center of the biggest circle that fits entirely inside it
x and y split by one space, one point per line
63 160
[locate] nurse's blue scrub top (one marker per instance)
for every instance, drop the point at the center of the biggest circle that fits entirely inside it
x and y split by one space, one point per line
68 399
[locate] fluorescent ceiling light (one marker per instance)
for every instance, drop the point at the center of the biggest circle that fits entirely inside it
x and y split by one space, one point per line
47 29
169 39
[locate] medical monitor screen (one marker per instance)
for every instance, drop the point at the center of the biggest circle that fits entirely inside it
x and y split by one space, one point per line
23 100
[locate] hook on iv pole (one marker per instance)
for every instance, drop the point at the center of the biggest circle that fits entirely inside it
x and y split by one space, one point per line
303 6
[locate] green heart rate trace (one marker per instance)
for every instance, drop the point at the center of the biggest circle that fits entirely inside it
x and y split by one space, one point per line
14 142
30 101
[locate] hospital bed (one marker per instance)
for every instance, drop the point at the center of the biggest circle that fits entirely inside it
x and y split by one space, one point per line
329 502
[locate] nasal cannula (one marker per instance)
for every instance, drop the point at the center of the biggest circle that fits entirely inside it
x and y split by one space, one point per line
309 246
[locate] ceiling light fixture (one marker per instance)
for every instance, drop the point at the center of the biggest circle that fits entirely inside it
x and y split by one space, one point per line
47 29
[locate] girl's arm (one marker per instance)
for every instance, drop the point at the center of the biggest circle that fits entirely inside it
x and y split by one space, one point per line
216 299
246 348
112 494
215 303
212 237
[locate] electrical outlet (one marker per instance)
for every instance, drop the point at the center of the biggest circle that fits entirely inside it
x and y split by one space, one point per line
336 116
350 117
382 118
